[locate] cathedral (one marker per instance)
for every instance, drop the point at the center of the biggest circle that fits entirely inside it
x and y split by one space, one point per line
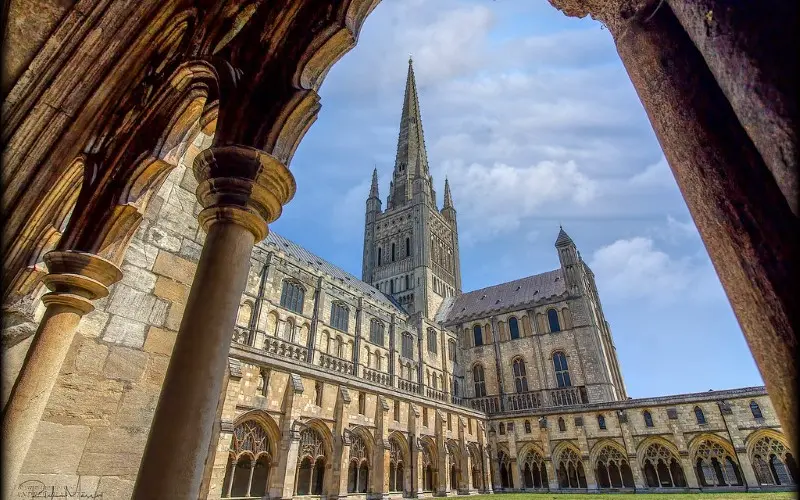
399 384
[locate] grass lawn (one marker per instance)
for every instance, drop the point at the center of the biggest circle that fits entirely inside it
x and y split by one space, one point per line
630 496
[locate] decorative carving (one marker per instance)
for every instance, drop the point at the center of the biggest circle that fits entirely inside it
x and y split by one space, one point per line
250 436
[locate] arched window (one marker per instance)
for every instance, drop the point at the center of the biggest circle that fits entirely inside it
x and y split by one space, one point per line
756 410
561 369
432 347
427 469
393 253
407 348
358 470
379 256
513 328
534 472
648 418
506 478
520 377
340 316
502 428
477 334
570 470
451 350
408 247
601 422
552 317
479 380
698 414
661 468
362 403
396 466
292 296
562 425
528 427
773 463
318 393
715 466
310 463
613 470
249 462
376 332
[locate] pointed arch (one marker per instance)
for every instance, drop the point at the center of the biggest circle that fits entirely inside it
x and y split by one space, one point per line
610 462
660 463
714 461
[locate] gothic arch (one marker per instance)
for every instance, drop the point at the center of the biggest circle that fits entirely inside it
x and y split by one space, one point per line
774 462
568 465
660 463
609 460
714 461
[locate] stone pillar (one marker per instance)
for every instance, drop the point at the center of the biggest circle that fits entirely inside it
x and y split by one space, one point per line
75 280
241 189
379 471
443 472
688 471
290 449
497 363
341 443
744 45
747 225
552 477
588 469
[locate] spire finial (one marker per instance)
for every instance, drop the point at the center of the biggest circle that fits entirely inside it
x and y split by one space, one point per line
410 59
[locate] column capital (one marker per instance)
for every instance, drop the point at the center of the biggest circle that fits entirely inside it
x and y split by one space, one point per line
76 278
243 185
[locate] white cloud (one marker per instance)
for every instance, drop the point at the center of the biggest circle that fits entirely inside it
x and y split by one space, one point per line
634 269
496 198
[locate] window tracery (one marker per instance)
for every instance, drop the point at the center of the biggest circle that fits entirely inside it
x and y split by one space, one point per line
661 468
520 376
534 472
613 470
292 296
571 473
773 462
715 466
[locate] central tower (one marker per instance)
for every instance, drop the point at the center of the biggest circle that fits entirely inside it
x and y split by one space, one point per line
411 248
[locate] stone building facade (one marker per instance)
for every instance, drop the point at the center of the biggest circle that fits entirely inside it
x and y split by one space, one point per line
399 385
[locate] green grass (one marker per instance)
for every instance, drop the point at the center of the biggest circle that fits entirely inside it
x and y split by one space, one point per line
646 496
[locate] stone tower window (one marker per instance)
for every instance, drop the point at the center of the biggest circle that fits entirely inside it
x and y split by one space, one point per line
408 247
396 410
528 427
648 418
379 256
513 328
552 317
698 414
393 252
376 332
407 348
318 393
432 348
340 316
292 296
561 369
362 403
477 335
502 428
756 410
601 422
479 380
562 425
520 376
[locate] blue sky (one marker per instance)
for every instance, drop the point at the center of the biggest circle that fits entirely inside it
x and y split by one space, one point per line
531 116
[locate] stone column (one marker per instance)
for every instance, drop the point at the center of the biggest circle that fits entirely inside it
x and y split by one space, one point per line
552 477
746 223
75 280
745 45
241 189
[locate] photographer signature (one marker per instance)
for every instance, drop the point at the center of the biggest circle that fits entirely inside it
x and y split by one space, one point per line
37 489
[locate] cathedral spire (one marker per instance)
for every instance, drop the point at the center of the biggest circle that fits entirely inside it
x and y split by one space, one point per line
411 162
448 198
373 190
563 238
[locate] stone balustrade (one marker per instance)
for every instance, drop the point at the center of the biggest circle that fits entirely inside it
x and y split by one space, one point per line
335 364
283 349
566 396
435 394
487 404
408 386
522 401
376 376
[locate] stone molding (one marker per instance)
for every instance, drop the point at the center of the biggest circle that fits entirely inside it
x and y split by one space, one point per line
76 278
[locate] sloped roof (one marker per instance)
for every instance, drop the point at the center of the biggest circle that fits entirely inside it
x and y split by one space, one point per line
512 295
563 238
308 258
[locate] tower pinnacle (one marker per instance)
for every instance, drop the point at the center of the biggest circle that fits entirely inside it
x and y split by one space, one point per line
563 238
448 198
373 190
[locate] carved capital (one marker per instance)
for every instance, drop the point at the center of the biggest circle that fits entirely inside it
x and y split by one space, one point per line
75 279
243 185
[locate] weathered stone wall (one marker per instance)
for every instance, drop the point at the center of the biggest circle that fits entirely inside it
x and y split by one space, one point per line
96 422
